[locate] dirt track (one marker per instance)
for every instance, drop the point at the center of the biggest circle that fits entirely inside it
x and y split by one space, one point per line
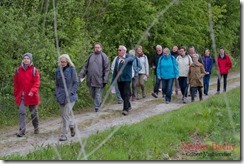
91 122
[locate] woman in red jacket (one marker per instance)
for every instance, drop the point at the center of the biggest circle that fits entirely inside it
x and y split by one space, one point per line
224 65
26 86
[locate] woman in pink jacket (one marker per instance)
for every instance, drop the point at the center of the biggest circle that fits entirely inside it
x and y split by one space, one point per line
26 86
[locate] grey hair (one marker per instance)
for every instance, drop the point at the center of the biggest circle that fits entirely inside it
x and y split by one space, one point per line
159 47
66 56
167 49
123 47
132 52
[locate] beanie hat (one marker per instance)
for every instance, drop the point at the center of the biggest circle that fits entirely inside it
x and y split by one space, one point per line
29 55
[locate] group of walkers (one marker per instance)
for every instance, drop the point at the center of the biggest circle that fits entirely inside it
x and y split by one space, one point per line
169 67
188 70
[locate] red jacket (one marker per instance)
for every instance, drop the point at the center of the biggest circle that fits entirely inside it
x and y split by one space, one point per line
225 64
25 82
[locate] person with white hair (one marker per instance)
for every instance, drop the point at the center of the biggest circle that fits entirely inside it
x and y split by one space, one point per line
26 87
123 75
167 71
66 85
157 55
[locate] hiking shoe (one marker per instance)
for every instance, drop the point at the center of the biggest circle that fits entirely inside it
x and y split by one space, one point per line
167 102
155 95
185 100
120 101
62 138
72 131
36 131
20 134
125 112
96 109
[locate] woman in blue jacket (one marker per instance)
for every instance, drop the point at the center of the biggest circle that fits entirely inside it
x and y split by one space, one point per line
66 93
208 63
167 71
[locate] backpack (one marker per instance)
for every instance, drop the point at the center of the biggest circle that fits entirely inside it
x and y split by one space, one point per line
33 71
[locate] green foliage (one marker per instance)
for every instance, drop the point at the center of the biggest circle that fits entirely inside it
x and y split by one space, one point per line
28 26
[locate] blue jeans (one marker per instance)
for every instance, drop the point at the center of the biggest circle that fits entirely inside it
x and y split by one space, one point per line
167 85
206 80
183 86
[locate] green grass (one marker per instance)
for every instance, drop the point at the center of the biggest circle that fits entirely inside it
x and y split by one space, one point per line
213 120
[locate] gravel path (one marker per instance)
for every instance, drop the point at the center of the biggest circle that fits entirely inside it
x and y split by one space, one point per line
91 122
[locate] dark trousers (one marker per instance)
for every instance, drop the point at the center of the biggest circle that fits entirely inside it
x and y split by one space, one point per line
124 88
206 80
193 91
157 85
183 86
167 85
225 82
134 86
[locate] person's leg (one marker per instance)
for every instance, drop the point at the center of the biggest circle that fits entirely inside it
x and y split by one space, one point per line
34 117
119 98
121 90
176 86
208 81
200 93
156 86
133 89
164 87
22 118
92 92
192 90
71 119
225 81
98 98
127 94
137 86
65 120
218 83
142 85
180 80
169 85
205 82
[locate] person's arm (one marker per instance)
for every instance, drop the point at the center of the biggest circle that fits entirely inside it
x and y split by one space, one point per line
15 83
84 69
229 63
36 84
75 82
147 67
159 68
106 70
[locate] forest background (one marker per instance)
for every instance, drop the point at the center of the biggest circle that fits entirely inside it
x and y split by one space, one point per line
28 26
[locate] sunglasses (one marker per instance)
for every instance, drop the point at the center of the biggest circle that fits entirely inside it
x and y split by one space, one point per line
119 50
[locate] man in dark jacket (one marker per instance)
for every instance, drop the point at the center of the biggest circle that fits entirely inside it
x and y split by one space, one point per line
159 52
123 74
96 69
